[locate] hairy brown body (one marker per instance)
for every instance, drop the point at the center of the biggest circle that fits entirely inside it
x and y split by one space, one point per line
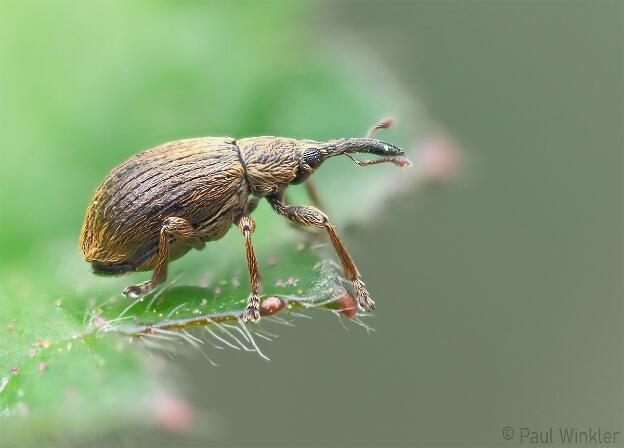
167 200
200 180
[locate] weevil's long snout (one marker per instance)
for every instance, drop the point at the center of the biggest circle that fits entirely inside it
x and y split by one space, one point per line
366 145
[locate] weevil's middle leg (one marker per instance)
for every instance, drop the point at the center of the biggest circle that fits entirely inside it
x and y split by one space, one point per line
311 216
252 312
246 210
184 232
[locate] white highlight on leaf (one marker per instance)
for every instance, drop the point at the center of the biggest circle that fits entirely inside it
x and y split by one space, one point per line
174 310
3 382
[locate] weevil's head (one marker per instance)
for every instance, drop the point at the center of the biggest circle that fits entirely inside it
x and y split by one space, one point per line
273 163
312 154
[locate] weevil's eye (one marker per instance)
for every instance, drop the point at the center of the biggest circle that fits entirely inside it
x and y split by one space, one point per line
312 157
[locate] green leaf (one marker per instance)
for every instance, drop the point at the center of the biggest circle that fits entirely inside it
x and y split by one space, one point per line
69 365
57 374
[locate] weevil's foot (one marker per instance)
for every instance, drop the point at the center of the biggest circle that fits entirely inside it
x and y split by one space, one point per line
363 297
136 291
251 315
252 312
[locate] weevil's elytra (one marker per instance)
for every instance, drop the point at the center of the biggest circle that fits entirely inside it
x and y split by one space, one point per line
167 200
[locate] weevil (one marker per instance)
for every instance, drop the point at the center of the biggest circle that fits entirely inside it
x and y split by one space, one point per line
161 203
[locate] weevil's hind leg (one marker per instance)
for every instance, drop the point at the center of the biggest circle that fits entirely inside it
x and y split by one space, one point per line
252 312
183 232
313 193
311 216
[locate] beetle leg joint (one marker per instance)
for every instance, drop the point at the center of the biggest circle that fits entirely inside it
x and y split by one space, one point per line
246 225
136 291
363 297
252 311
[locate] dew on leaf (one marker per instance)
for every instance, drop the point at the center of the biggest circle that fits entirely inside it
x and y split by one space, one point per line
99 321
291 281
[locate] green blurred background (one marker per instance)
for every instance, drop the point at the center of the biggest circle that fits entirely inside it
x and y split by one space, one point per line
500 297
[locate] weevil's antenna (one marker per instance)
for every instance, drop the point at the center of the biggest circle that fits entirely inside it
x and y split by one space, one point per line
384 123
403 162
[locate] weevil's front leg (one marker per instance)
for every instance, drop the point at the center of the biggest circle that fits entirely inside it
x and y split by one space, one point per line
314 196
311 216
252 312
183 232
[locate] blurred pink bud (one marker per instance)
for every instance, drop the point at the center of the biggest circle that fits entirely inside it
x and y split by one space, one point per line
440 158
347 303
174 413
271 305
